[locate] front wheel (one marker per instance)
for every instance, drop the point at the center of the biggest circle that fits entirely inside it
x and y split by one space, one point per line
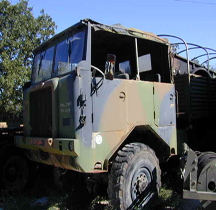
135 177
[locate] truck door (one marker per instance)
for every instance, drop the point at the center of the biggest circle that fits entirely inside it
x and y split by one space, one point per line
164 104
165 113
109 105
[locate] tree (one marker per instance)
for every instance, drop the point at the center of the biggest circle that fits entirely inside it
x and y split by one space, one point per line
20 33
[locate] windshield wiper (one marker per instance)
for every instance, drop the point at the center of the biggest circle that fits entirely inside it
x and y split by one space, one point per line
40 64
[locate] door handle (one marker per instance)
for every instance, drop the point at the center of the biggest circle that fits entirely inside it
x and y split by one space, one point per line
122 95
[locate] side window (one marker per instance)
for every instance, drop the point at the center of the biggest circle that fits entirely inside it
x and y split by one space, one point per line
77 48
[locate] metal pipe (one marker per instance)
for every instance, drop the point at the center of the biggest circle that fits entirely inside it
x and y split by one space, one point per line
202 56
191 48
208 60
197 47
205 48
187 53
137 60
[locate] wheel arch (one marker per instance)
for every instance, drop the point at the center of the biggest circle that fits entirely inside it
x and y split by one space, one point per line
201 72
144 134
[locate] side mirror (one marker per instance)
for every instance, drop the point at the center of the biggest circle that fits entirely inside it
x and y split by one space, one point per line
26 86
110 66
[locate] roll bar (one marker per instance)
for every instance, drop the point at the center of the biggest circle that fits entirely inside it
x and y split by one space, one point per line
195 46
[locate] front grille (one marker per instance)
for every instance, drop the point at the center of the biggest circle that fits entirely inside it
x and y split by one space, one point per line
41 113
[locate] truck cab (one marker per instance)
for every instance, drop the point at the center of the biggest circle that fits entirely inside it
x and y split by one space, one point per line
74 112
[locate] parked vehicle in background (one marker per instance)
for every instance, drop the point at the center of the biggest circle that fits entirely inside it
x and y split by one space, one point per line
14 168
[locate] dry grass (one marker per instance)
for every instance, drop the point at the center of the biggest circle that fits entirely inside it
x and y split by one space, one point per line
43 195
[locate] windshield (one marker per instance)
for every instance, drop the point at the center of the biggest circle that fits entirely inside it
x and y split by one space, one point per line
59 59
42 67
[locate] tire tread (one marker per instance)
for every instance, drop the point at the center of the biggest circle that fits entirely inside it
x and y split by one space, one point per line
119 168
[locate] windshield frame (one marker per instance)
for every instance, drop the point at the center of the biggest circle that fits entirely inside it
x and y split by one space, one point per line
55 41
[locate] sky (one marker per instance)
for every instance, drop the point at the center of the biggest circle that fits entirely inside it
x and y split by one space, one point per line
192 20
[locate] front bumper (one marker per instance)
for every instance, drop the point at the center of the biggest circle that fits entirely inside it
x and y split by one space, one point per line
60 146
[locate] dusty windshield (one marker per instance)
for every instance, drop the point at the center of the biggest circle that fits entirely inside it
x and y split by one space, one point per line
42 67
59 59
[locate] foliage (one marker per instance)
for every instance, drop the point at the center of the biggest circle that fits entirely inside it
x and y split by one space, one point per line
213 68
20 33
175 47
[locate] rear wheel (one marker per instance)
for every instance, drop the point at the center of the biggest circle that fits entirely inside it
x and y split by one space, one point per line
135 177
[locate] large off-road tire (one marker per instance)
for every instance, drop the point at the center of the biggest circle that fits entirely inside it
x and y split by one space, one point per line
15 173
135 177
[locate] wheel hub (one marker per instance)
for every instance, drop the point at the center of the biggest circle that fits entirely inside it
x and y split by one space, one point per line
12 171
140 182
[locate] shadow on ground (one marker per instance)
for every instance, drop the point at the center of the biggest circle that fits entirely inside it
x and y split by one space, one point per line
43 194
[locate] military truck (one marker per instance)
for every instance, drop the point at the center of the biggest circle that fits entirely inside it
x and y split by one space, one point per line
14 166
114 100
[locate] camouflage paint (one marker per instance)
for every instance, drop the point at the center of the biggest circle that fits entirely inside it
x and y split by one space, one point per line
114 117
91 117
119 116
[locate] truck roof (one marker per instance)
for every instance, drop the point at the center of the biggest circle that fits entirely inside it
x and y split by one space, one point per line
120 29
117 29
